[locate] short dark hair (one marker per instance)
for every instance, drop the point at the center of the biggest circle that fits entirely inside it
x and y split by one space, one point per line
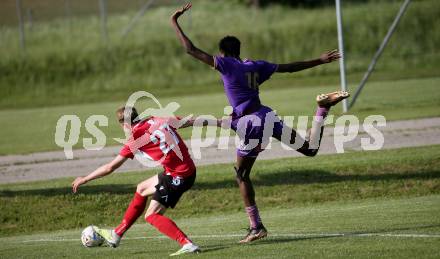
230 46
128 111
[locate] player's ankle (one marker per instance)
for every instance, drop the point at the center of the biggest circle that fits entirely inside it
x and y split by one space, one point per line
117 234
186 241
259 226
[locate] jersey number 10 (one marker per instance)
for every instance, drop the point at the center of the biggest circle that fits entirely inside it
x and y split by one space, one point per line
252 78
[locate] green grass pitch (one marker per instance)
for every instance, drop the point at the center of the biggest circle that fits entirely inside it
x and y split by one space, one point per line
376 228
378 204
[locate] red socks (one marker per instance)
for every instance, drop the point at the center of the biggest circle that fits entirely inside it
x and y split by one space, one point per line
162 223
168 227
134 210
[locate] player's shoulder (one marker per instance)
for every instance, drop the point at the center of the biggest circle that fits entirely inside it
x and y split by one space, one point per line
226 60
170 120
230 59
155 123
255 61
141 127
227 65
252 65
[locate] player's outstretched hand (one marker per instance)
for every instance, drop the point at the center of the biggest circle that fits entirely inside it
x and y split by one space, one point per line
330 56
78 181
181 11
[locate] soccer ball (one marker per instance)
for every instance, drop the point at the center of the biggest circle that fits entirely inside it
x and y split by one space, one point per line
90 238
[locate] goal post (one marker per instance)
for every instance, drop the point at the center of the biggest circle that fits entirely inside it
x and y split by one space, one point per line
341 50
345 104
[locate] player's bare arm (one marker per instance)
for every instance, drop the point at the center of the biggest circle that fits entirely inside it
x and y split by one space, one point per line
326 57
99 172
186 42
190 122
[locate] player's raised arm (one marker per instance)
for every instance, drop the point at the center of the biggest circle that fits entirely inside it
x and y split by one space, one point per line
186 42
99 172
326 57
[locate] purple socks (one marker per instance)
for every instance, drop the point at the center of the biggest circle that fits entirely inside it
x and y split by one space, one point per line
254 216
321 113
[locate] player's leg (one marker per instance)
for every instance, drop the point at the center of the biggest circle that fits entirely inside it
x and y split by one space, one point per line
250 128
138 204
243 170
310 146
167 194
168 227
165 225
134 210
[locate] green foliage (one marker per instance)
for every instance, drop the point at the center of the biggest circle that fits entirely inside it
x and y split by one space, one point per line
64 65
286 183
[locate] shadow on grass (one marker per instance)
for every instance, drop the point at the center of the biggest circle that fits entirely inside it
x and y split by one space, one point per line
212 248
286 239
117 189
317 176
270 179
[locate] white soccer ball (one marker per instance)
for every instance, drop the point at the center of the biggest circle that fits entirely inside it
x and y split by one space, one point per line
90 238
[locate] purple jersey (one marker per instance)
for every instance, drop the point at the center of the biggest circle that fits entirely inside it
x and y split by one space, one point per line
241 80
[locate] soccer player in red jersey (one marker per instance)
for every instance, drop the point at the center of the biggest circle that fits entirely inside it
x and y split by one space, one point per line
156 139
250 118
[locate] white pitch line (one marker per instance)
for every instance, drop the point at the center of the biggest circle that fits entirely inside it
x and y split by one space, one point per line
270 235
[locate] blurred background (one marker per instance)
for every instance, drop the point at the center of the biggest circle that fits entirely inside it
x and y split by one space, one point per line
86 57
71 55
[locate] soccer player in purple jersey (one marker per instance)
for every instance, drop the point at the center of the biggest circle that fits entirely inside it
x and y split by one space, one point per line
241 79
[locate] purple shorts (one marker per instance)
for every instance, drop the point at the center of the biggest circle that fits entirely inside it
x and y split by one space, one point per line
255 130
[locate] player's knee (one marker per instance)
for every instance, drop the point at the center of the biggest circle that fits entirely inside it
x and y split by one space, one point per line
151 214
155 208
140 188
241 174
